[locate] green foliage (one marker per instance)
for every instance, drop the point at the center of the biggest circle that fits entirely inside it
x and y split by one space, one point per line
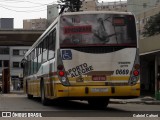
152 26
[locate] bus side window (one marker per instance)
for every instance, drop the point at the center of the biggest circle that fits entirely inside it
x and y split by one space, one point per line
32 62
52 39
39 56
35 60
29 64
45 49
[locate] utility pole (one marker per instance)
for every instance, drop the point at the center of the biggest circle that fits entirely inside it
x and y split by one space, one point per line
72 5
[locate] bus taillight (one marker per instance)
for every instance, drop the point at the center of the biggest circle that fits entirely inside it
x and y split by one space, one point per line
136 72
61 73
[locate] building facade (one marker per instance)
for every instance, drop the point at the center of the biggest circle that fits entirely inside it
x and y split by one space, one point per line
35 24
149 47
139 6
52 13
6 23
143 10
13 46
150 65
143 17
88 5
112 6
10 57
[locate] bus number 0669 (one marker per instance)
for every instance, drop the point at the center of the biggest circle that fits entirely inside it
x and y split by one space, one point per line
122 72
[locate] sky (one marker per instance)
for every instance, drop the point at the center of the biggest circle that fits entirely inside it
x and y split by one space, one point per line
27 9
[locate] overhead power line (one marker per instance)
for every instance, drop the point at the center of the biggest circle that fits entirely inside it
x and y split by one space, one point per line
12 6
26 9
20 1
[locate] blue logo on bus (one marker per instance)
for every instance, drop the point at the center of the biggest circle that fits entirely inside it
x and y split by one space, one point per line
66 55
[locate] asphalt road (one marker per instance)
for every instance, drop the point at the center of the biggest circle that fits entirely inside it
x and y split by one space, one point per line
74 109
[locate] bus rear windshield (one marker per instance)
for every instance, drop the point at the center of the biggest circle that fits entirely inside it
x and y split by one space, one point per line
97 30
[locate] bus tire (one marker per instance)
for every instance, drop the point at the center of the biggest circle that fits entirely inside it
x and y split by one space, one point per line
29 96
99 102
44 100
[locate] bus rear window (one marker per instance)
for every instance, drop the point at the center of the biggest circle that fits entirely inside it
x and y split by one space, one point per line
98 29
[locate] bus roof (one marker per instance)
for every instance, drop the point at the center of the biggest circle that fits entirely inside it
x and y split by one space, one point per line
96 12
71 13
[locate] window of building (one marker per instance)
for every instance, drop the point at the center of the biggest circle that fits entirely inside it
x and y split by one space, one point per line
144 5
4 51
16 65
15 52
22 52
19 52
6 63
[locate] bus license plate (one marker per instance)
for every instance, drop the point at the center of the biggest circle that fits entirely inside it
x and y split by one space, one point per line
98 77
99 89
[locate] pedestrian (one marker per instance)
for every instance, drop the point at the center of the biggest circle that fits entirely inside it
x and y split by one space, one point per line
18 86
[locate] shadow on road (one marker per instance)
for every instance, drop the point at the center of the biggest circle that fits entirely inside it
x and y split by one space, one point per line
76 105
81 109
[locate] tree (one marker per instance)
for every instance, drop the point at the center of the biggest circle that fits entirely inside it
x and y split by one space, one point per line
73 5
152 26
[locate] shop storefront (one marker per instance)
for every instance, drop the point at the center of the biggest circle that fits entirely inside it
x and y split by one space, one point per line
150 66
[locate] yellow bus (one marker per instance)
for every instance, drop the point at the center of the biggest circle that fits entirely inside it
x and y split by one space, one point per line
90 56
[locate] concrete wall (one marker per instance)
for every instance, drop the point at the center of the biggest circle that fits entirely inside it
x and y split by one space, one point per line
35 24
149 44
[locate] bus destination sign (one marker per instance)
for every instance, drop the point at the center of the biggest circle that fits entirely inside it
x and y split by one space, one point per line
77 29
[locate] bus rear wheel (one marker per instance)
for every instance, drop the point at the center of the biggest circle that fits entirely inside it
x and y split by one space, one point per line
98 102
29 96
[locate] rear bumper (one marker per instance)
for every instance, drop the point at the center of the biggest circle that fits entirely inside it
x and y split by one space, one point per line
97 91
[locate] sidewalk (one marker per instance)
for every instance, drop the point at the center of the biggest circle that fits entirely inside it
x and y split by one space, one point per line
141 100
14 93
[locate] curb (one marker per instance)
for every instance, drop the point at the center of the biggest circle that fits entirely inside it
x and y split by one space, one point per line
135 102
152 102
118 102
